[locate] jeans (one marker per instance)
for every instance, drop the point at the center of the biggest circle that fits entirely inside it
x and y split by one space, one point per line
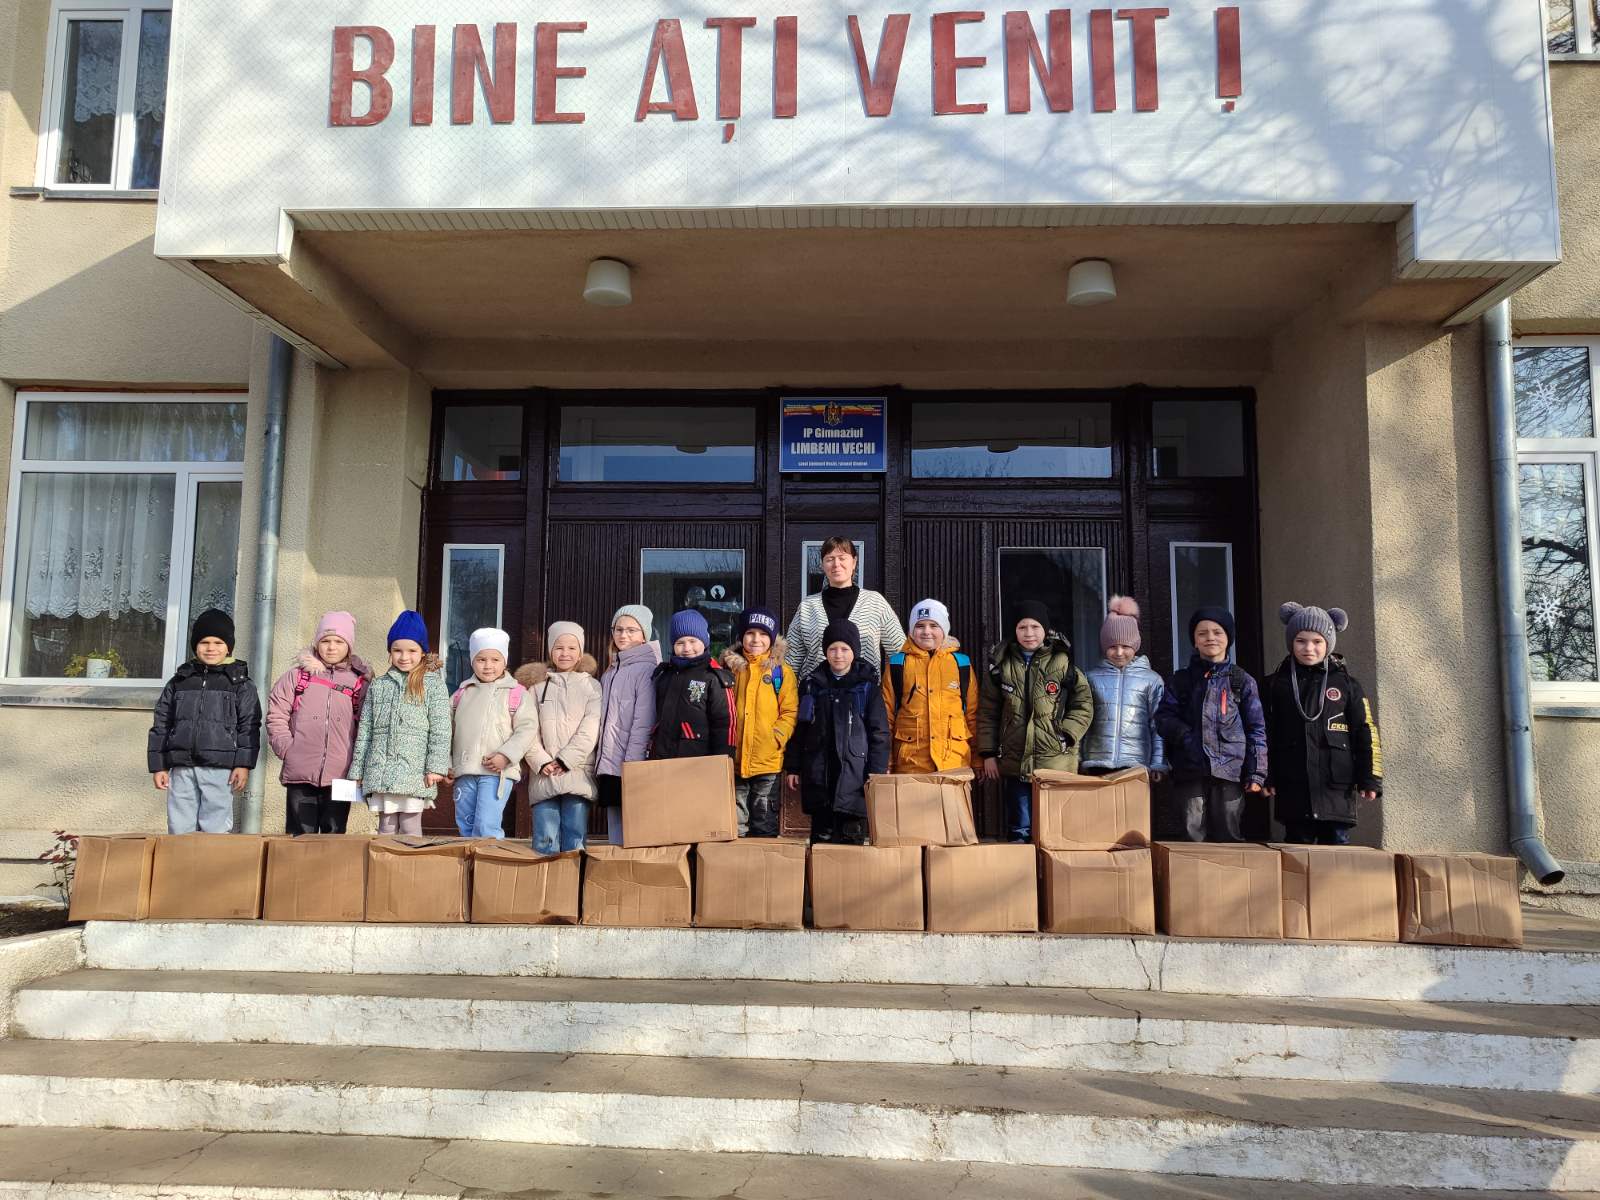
199 800
310 809
481 805
757 799
1316 833
1018 795
560 824
1213 809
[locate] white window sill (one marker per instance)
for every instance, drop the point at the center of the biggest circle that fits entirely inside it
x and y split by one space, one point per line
78 695
1590 57
1572 710
51 193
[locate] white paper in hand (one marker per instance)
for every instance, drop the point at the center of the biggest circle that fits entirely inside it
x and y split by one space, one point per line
346 791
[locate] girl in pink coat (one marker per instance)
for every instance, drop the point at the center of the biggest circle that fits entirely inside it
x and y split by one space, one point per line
311 724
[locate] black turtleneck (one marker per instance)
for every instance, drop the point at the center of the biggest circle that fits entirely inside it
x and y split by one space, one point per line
839 603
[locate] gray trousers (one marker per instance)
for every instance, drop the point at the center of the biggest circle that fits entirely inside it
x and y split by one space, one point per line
199 800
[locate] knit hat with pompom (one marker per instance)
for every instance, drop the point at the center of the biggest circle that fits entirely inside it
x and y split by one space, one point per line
1329 622
1121 627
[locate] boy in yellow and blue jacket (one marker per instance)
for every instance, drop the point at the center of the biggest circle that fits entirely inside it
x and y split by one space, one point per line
931 694
767 698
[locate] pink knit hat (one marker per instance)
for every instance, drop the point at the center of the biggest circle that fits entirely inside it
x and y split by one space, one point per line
1121 626
340 624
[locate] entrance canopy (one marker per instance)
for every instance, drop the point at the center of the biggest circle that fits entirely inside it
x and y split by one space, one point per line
387 184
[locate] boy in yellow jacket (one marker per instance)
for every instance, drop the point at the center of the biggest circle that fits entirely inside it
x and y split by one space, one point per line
767 698
931 693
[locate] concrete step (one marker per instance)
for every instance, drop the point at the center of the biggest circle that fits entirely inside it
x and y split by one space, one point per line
1331 971
1528 1047
1325 1133
77 1164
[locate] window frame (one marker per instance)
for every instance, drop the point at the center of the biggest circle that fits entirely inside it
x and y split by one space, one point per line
181 550
1585 33
1583 452
62 13
1181 648
1110 400
999 583
444 590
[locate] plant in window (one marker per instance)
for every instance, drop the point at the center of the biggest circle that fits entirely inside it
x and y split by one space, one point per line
78 666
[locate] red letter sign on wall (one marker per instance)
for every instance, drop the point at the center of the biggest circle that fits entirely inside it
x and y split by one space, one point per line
548 72
1022 50
946 64
667 46
341 97
472 65
877 88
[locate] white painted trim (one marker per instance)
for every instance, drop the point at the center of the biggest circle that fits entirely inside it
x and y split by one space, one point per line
1180 653
444 590
182 546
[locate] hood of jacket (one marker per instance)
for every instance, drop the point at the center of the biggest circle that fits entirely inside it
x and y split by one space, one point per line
736 662
308 662
531 675
644 654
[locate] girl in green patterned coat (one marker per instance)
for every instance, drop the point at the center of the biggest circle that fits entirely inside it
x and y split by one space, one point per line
402 747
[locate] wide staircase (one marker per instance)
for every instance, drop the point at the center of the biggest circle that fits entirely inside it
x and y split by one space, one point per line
260 1060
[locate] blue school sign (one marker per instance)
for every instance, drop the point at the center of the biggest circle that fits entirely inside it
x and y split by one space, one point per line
834 433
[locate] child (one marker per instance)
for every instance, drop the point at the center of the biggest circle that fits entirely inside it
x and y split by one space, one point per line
694 696
207 731
311 725
931 697
403 741
1321 736
494 728
627 706
567 696
842 737
1127 693
1216 739
1036 708
767 699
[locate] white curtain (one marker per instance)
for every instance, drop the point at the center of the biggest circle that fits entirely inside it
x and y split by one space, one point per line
135 431
98 68
95 545
215 574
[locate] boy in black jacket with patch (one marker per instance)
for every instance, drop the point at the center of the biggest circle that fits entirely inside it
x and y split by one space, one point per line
207 731
1321 735
694 696
841 737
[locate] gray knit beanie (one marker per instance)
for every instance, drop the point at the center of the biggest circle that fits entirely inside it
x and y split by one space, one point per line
1328 622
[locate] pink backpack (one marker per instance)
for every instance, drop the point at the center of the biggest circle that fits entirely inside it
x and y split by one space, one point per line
304 679
513 698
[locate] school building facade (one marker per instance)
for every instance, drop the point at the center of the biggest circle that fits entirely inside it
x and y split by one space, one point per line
519 320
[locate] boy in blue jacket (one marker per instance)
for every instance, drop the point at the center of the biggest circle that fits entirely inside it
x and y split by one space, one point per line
1215 734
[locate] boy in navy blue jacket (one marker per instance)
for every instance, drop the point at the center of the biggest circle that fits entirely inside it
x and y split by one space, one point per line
1215 734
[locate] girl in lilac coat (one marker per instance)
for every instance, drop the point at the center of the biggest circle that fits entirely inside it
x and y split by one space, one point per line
311 724
627 706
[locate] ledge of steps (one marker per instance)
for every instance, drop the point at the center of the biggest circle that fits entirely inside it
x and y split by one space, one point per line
77 1164
1523 1047
1564 971
1328 1133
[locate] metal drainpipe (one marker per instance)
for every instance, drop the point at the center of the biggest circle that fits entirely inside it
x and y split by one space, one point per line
1522 782
280 364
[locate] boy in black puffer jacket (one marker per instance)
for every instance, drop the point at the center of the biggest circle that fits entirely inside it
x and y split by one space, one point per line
842 736
207 731
694 696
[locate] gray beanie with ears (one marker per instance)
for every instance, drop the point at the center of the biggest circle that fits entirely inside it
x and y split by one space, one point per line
1328 622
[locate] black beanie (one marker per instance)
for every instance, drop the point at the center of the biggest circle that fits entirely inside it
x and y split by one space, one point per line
842 631
1031 610
212 623
1220 615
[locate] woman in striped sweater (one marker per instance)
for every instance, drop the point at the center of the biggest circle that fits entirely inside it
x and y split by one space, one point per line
841 600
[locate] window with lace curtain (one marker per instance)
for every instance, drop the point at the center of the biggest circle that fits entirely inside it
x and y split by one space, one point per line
1573 26
105 101
122 526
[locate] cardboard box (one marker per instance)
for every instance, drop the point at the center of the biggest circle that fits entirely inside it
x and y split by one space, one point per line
992 888
316 877
1340 894
753 883
1091 812
678 801
208 876
921 810
1219 890
111 881
866 887
419 880
513 884
646 886
1460 900
1097 891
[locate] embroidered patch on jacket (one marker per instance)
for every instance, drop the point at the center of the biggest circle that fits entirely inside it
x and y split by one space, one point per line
1335 695
1052 688
697 691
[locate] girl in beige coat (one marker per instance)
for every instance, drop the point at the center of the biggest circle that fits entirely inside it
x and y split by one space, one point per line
495 728
566 696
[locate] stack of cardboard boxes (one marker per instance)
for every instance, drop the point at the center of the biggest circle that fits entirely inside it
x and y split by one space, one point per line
1092 870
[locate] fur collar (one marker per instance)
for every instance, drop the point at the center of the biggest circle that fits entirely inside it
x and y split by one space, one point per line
308 662
735 661
531 675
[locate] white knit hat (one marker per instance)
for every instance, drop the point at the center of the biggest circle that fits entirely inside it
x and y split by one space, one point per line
560 629
929 610
489 639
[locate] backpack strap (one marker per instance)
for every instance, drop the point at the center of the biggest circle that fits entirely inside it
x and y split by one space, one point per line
514 698
304 679
897 677
455 697
964 670
777 680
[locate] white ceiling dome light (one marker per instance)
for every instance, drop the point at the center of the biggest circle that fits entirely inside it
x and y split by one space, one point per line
610 283
1091 282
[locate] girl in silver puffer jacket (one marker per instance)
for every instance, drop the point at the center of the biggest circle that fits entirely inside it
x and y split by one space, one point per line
1127 692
